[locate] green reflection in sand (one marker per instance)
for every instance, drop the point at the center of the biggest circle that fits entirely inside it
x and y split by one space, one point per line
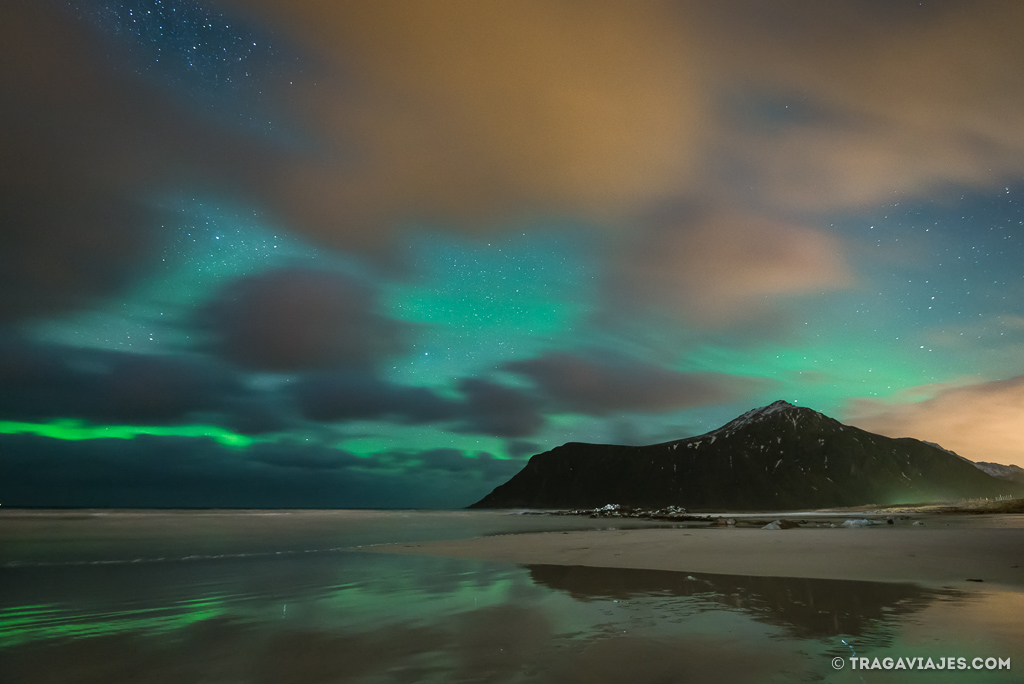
254 614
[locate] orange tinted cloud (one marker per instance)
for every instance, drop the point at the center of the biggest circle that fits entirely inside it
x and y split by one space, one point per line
472 111
473 114
718 267
910 99
982 422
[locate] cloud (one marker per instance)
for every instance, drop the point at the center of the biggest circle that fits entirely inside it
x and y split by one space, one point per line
473 110
599 384
300 319
517 448
40 382
485 407
471 115
85 147
155 472
982 421
494 409
455 461
907 101
62 248
470 111
354 395
303 458
716 267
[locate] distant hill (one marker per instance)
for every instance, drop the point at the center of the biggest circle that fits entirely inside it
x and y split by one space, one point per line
778 457
1012 473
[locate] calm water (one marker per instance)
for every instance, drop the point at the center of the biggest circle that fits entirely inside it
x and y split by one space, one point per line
291 597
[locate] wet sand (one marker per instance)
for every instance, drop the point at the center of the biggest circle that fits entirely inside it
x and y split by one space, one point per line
273 598
945 557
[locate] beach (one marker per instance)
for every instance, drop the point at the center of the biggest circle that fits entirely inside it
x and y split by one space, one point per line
944 551
272 597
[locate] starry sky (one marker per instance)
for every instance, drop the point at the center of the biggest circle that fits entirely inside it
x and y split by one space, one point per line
377 254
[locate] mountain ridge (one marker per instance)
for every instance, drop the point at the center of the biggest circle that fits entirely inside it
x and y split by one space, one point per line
774 457
1013 473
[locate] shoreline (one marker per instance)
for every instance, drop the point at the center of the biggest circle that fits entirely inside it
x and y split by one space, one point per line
950 557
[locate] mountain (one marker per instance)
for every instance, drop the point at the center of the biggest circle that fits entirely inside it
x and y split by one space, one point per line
778 457
1012 473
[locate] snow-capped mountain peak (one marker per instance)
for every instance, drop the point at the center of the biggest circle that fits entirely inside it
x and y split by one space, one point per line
759 414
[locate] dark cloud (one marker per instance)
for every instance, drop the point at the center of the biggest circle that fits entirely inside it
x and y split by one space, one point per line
494 409
64 248
41 381
482 464
450 460
316 459
155 472
354 395
145 389
145 472
300 319
255 412
636 431
517 448
598 384
86 145
485 407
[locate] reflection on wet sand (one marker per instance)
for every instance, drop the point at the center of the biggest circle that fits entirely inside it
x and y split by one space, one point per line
506 644
808 608
361 617
285 608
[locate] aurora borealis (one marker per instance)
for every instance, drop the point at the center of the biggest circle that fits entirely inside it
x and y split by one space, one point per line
377 254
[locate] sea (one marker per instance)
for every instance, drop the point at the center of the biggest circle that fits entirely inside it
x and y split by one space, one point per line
278 597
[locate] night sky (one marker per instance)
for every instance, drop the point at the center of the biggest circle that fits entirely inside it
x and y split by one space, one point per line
377 254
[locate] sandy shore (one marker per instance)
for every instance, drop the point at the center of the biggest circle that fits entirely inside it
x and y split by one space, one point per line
937 557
